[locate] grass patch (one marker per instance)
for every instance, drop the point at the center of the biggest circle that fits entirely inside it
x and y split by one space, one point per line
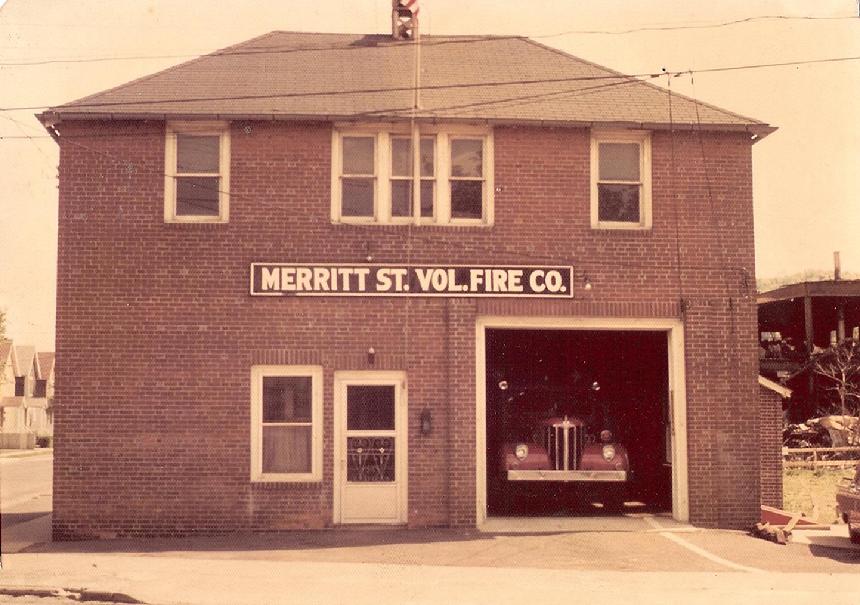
812 492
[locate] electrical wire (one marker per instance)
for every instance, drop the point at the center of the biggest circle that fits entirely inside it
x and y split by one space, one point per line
462 85
434 237
518 100
424 41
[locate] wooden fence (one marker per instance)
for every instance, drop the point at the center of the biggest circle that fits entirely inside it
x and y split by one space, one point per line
817 457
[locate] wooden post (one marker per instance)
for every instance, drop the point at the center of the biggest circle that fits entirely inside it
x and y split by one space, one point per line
840 321
807 325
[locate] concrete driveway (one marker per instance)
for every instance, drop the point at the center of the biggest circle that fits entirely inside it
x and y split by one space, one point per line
643 557
649 559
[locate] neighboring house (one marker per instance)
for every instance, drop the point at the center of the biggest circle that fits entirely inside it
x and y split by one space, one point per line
261 326
26 392
42 415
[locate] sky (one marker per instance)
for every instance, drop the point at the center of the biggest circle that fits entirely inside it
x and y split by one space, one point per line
806 180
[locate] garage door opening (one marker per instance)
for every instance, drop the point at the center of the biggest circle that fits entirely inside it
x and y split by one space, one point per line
577 422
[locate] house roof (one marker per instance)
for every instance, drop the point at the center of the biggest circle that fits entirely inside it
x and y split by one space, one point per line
25 355
46 364
291 75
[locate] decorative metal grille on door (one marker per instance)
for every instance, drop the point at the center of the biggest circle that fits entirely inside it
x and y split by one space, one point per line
370 459
370 438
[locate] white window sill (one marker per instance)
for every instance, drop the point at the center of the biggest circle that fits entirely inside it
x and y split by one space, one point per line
407 222
621 227
286 478
196 220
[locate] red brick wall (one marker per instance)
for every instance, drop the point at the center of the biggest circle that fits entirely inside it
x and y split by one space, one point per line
770 412
156 331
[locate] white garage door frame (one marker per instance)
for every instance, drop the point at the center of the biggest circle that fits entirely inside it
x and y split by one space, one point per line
674 330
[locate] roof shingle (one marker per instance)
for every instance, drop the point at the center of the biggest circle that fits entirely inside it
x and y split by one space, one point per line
290 75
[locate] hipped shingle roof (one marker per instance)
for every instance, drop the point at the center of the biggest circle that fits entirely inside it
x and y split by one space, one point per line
289 75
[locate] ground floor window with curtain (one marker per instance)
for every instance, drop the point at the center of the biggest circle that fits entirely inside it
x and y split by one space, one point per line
286 417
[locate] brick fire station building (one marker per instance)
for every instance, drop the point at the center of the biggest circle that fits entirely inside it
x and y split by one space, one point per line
300 286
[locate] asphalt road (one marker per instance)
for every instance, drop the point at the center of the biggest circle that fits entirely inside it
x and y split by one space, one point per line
25 488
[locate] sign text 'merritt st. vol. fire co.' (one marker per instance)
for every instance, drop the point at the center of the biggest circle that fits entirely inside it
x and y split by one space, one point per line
281 279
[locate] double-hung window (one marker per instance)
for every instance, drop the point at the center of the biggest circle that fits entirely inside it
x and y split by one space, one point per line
197 172
402 181
373 176
286 423
621 180
467 178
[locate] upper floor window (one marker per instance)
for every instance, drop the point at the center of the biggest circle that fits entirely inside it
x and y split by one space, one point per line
373 176
20 386
41 388
197 172
621 180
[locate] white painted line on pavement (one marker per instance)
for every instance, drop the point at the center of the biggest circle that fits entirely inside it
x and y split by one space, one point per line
666 533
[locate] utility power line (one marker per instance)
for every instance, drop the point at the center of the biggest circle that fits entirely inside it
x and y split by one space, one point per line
427 41
462 85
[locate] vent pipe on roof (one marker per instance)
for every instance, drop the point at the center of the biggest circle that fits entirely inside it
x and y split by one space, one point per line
404 19
837 269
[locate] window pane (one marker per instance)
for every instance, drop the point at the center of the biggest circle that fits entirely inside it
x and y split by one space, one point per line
428 145
401 198
427 188
467 199
401 157
357 197
358 155
197 153
197 196
286 399
467 156
619 161
370 408
287 449
618 203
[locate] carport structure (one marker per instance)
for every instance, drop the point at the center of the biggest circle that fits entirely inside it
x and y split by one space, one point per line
809 312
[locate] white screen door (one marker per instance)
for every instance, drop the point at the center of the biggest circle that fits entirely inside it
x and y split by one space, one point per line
370 448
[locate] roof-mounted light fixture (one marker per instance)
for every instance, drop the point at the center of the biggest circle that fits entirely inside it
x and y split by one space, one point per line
404 19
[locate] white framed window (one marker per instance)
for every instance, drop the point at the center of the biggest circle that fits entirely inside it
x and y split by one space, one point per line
621 179
286 423
197 172
373 182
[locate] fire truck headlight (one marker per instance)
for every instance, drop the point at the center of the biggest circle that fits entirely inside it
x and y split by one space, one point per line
522 451
608 452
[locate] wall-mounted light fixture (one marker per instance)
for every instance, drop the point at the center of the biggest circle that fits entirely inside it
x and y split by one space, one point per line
426 422
586 282
371 356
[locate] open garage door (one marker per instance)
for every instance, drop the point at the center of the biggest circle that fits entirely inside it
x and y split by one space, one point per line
577 422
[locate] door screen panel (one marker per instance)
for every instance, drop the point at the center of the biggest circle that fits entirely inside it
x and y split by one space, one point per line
370 408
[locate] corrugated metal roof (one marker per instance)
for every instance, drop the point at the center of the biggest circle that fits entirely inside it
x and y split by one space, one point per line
289 75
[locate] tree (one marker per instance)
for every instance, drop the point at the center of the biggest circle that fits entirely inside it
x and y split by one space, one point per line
2 324
840 367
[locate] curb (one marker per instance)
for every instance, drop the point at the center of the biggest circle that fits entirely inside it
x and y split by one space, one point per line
42 451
